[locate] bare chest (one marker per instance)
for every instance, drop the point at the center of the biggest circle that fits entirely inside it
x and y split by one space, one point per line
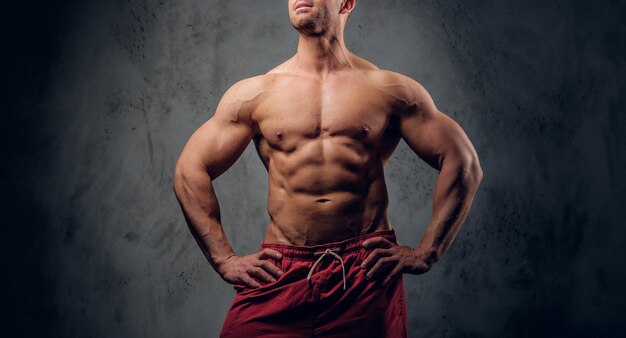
307 109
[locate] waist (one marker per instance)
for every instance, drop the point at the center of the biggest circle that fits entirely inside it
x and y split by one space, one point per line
349 245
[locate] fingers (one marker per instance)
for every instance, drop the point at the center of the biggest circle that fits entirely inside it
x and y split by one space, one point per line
381 265
254 270
250 282
270 268
374 256
269 253
266 265
378 242
262 269
261 274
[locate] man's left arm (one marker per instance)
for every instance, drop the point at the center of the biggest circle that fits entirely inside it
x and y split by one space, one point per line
442 143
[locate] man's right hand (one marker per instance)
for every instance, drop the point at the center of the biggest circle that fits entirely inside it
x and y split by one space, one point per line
244 269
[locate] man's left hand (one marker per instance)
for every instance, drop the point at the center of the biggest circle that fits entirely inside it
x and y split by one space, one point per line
388 260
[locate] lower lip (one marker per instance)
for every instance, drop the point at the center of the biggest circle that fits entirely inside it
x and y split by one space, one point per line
302 8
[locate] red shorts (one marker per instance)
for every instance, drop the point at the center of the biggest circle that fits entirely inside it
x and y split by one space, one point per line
320 307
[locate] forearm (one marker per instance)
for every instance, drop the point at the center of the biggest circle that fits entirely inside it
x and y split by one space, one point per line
454 194
198 201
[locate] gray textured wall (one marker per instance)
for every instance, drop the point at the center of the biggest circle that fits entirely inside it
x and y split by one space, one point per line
101 98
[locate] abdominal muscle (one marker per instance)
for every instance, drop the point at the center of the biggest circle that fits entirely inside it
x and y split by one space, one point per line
327 190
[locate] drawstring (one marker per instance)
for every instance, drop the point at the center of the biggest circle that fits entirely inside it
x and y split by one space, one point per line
332 253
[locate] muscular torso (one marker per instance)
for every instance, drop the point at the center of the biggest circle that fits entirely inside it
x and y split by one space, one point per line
324 143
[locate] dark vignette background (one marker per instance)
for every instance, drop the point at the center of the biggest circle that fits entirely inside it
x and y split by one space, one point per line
101 97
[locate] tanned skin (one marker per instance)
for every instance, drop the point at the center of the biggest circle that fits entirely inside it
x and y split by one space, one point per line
324 124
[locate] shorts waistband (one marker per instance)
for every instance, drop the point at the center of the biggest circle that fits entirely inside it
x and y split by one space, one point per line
345 246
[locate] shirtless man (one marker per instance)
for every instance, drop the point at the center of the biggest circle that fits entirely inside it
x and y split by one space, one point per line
324 123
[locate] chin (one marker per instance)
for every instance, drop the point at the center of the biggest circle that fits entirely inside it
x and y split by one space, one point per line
299 18
309 22
303 25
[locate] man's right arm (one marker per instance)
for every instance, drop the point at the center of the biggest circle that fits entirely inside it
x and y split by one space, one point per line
210 151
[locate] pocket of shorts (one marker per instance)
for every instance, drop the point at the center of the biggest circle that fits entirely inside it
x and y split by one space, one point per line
239 287
284 265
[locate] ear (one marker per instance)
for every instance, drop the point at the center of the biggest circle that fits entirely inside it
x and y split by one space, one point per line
347 6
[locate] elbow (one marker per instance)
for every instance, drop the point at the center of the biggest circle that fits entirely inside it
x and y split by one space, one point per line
187 178
178 179
473 173
468 170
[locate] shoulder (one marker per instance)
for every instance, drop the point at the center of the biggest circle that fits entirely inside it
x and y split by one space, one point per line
248 88
249 92
399 85
241 99
409 97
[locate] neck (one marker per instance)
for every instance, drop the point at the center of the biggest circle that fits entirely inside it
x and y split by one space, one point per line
322 54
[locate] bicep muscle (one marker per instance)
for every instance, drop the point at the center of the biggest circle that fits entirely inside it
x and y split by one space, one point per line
219 142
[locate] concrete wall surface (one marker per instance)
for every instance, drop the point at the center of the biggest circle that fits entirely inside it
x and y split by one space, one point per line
101 96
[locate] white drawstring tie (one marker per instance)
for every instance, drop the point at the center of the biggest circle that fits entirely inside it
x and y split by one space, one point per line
323 254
